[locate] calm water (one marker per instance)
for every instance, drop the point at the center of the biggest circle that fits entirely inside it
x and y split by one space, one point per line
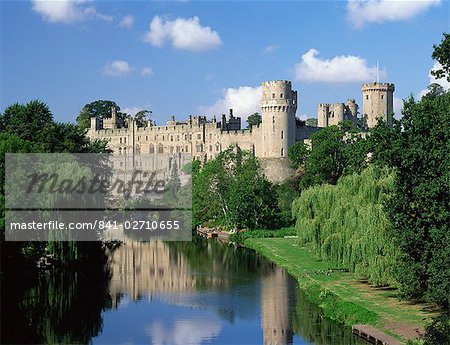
202 292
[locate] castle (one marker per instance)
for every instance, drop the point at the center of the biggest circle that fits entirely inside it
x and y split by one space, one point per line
269 141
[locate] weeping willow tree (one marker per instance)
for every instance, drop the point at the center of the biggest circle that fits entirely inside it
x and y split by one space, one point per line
346 224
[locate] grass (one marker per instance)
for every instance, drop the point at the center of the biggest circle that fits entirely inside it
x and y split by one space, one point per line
339 294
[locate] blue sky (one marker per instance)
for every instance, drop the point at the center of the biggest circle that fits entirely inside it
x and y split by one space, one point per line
191 57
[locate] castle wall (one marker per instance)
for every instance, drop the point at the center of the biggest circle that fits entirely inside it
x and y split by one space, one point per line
204 139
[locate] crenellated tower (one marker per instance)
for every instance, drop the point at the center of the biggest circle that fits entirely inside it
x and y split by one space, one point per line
278 107
378 101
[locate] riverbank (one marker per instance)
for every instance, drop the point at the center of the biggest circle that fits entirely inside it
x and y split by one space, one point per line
340 295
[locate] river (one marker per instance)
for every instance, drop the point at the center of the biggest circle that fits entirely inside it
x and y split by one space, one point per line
200 292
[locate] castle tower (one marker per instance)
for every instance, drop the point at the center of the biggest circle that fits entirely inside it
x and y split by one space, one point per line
378 101
278 107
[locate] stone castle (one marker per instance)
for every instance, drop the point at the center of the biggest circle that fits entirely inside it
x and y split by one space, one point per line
269 141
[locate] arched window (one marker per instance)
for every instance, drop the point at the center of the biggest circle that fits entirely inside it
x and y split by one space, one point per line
125 151
160 148
151 148
120 151
138 149
282 152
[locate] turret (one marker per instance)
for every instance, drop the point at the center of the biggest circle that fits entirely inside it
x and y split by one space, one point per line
278 107
378 102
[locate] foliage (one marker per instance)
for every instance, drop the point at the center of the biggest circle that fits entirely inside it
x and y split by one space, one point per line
420 205
100 109
142 117
32 122
297 154
31 128
335 151
346 224
254 120
232 191
441 54
311 122
287 192
438 332
241 236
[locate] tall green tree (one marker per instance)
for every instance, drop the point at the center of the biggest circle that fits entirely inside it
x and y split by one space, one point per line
335 151
297 154
99 109
254 120
232 191
142 117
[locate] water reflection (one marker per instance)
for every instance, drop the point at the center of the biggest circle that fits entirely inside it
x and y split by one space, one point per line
168 293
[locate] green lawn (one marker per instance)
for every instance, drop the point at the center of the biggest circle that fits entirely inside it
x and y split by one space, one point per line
342 296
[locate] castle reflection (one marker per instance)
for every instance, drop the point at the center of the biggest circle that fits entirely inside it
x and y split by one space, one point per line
206 275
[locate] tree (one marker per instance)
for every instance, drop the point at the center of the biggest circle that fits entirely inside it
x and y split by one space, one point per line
254 120
297 154
142 117
419 208
99 109
232 191
441 54
31 121
335 151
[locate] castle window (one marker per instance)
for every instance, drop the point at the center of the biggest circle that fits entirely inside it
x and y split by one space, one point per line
178 138
178 148
382 96
163 137
120 140
151 148
273 119
187 149
146 138
139 138
160 148
210 147
217 147
282 134
121 164
171 138
199 136
125 140
281 95
282 152
120 151
273 95
367 96
124 150
190 136
171 149
138 149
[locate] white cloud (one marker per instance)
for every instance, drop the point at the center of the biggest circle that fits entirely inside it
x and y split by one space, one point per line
67 11
362 12
340 69
185 331
431 80
244 101
146 71
117 68
270 48
127 22
183 33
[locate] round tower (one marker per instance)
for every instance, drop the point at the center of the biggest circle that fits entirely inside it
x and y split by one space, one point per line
378 102
278 107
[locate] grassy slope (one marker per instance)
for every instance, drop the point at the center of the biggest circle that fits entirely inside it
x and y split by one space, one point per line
339 294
